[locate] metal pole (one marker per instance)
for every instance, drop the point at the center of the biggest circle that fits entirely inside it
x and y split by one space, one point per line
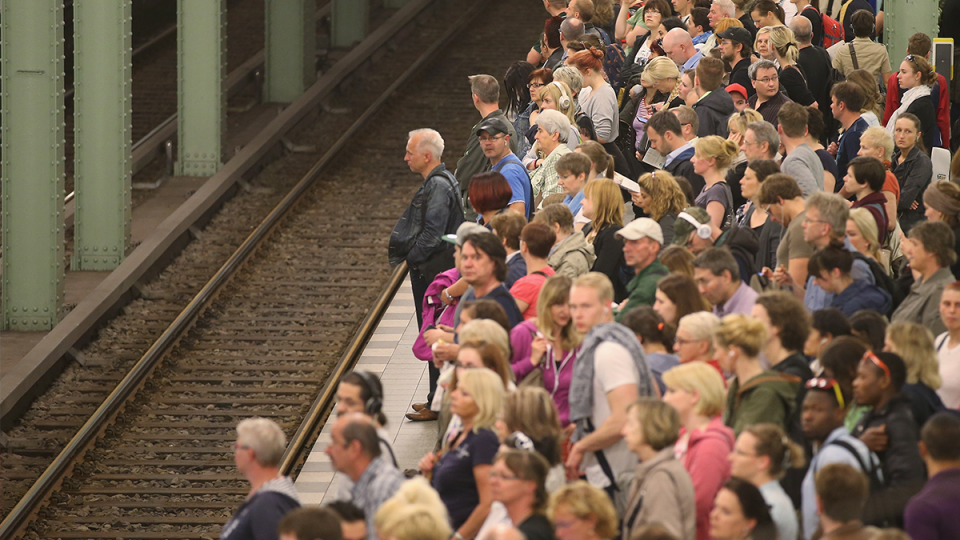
31 71
289 49
202 61
902 19
103 78
349 22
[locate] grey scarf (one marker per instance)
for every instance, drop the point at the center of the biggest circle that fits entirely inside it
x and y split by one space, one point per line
581 386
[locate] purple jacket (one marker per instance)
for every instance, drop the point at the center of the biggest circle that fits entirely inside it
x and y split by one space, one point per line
432 306
932 513
555 381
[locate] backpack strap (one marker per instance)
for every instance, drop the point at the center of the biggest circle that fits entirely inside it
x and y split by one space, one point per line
853 55
870 471
512 158
943 342
393 457
602 460
540 273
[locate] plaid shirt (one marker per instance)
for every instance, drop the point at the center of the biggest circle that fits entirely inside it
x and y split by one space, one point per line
377 484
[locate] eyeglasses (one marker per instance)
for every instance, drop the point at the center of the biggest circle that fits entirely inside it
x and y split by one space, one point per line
458 365
682 342
766 80
501 476
877 362
238 446
535 85
823 383
808 220
490 139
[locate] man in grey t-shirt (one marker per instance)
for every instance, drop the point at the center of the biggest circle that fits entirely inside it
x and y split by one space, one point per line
802 163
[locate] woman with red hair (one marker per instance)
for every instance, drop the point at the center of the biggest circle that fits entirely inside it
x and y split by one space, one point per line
600 104
489 194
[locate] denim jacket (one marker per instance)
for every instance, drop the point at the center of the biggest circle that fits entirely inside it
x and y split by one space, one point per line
417 235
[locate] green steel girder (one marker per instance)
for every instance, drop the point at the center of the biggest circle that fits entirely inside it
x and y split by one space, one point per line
391 4
902 19
290 49
103 79
31 70
349 22
201 90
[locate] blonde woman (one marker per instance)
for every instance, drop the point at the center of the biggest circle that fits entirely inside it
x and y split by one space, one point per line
694 342
696 391
415 492
762 45
737 126
755 395
713 155
784 46
661 199
549 343
658 89
862 233
915 344
603 204
872 109
461 475
580 511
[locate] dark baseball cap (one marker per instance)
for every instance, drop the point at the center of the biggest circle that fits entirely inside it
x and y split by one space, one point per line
736 33
494 126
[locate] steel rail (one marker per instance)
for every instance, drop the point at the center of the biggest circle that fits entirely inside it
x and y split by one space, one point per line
54 475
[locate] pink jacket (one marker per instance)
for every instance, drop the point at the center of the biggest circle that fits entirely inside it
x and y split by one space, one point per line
706 460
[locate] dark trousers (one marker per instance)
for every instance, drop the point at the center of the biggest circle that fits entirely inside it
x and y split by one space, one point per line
419 283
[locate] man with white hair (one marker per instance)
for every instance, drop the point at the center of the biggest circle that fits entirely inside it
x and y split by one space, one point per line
719 9
678 46
257 454
553 129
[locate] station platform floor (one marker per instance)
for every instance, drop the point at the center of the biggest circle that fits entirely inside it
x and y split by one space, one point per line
405 381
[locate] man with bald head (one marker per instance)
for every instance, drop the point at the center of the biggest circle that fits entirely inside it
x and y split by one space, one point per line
354 450
678 46
815 62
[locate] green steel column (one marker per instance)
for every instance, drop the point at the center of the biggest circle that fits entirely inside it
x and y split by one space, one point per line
904 18
349 21
394 3
290 49
202 70
31 70
103 78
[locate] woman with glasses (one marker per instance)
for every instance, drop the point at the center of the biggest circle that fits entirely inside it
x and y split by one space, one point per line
537 80
639 43
662 491
696 391
518 482
916 77
580 511
694 341
912 167
761 456
461 474
889 429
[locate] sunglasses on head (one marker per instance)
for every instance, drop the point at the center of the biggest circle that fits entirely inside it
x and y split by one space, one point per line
823 383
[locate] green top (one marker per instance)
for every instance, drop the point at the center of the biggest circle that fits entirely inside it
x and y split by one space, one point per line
769 397
854 414
643 287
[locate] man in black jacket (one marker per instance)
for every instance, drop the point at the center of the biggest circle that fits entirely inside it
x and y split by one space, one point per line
665 135
818 67
715 104
735 50
890 430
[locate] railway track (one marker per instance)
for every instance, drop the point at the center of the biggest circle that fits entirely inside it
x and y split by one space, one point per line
279 320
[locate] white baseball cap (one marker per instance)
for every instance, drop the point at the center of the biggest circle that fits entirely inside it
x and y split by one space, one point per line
640 228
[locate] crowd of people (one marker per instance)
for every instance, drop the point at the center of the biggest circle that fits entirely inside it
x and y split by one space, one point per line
698 280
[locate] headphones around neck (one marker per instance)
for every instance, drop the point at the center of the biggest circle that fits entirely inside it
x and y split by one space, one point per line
374 403
703 229
564 102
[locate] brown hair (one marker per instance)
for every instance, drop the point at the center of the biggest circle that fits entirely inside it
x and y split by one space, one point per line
779 186
927 74
842 491
774 443
793 119
788 315
601 160
919 44
678 260
937 238
539 239
710 73
665 194
507 226
683 292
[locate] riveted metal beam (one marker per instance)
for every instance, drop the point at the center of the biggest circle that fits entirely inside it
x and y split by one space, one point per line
103 79
349 22
201 92
31 70
391 4
904 18
290 47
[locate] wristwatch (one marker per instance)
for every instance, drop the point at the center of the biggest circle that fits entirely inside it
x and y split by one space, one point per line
446 295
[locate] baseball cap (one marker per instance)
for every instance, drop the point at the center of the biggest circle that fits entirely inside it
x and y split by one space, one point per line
736 33
738 88
682 228
463 231
641 228
493 126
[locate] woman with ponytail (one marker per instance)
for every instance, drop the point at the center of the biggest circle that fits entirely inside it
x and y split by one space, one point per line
658 90
792 79
711 159
601 105
761 456
657 337
916 78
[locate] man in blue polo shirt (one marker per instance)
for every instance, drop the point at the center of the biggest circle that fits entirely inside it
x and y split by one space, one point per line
494 136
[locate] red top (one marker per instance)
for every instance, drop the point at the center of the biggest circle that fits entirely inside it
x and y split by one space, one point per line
527 289
943 108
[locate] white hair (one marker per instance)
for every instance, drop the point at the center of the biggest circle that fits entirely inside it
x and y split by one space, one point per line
702 326
430 141
727 8
571 76
265 438
553 121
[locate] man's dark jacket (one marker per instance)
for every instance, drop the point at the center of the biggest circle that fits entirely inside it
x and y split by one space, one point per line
713 110
682 166
434 211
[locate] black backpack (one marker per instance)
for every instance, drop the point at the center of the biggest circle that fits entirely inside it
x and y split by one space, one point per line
882 280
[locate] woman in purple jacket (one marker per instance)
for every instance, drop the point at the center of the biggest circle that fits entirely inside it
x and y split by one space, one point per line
549 343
